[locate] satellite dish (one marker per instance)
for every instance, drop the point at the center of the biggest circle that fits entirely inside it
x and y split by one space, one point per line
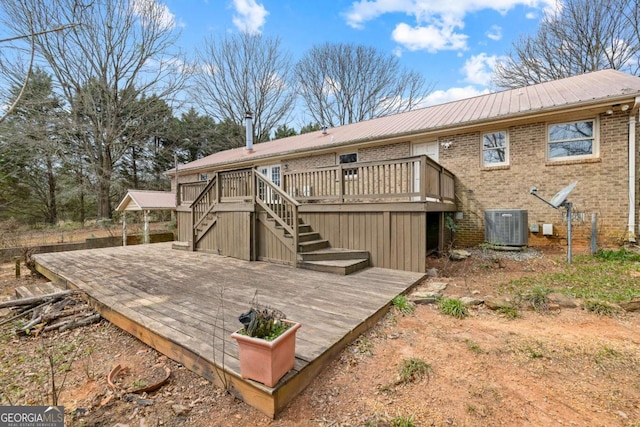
562 195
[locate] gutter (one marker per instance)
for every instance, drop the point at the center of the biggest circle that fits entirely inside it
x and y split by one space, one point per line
632 170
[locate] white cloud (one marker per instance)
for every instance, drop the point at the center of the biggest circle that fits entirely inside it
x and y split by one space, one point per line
495 33
150 10
479 69
531 15
452 94
429 38
438 23
250 16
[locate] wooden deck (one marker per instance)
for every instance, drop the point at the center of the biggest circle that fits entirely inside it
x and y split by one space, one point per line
185 305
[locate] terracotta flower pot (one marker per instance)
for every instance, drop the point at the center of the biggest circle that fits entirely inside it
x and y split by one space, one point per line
267 361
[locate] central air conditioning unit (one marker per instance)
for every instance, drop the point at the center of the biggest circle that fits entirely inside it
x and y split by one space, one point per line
506 227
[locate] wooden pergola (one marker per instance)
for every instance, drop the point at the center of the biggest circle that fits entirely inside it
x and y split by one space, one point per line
145 201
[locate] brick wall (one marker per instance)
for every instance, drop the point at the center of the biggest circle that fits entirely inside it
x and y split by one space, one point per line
385 152
310 162
601 189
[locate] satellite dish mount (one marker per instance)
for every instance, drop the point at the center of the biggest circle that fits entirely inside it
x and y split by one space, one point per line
560 200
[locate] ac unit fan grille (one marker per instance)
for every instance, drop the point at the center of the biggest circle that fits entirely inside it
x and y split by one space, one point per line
506 227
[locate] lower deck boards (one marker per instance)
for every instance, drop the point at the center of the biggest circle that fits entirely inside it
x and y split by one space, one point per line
186 305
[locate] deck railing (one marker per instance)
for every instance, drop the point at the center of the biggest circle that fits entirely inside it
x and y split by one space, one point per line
189 191
415 178
236 185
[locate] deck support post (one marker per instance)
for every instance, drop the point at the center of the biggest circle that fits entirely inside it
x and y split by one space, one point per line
145 229
124 228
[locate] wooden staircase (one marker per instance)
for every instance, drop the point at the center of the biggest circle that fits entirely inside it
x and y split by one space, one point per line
316 253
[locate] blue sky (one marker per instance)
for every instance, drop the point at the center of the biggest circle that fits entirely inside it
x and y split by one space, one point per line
454 43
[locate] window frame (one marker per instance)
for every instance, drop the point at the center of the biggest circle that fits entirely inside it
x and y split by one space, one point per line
483 149
595 138
348 173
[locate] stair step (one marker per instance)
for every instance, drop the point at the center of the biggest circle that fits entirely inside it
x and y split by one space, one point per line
304 228
312 245
332 254
306 237
342 267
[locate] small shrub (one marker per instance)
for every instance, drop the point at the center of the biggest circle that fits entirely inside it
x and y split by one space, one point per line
538 297
509 311
414 369
402 421
599 307
403 305
453 307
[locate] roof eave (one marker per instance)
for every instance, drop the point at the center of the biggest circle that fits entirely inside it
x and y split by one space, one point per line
606 102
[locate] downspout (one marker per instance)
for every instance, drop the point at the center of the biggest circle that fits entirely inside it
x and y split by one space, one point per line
632 170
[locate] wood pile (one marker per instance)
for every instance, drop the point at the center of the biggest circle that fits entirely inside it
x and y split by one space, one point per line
58 311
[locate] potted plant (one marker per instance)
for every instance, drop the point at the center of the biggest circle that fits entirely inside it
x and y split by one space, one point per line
266 344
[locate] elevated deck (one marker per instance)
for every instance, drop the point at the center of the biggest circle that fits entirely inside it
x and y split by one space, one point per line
185 305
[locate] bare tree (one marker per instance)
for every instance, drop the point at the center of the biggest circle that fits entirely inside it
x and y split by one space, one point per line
245 72
119 53
580 37
346 83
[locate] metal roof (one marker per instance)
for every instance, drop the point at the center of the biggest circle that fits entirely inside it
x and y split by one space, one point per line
139 200
575 91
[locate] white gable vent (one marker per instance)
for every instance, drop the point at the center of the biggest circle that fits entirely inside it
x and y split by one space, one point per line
506 227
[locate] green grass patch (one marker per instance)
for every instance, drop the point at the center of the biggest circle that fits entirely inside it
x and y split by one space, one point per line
402 421
509 311
600 308
403 305
473 346
609 276
453 307
413 369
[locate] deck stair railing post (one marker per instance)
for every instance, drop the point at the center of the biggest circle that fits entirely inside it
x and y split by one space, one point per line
279 205
423 178
202 207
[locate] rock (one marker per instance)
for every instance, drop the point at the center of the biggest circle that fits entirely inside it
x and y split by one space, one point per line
562 301
496 303
426 294
622 415
180 409
432 272
436 286
470 301
633 305
137 400
459 254
425 301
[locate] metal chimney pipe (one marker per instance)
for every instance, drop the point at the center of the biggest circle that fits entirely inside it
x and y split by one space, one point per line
249 130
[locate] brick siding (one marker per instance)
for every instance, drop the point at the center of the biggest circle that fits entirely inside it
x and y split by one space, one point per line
601 189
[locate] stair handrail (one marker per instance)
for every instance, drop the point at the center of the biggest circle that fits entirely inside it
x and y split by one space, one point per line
203 205
285 204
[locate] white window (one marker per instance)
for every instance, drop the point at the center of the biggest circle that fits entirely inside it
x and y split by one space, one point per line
349 158
572 140
495 148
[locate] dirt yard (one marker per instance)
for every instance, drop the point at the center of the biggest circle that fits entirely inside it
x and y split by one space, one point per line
564 367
